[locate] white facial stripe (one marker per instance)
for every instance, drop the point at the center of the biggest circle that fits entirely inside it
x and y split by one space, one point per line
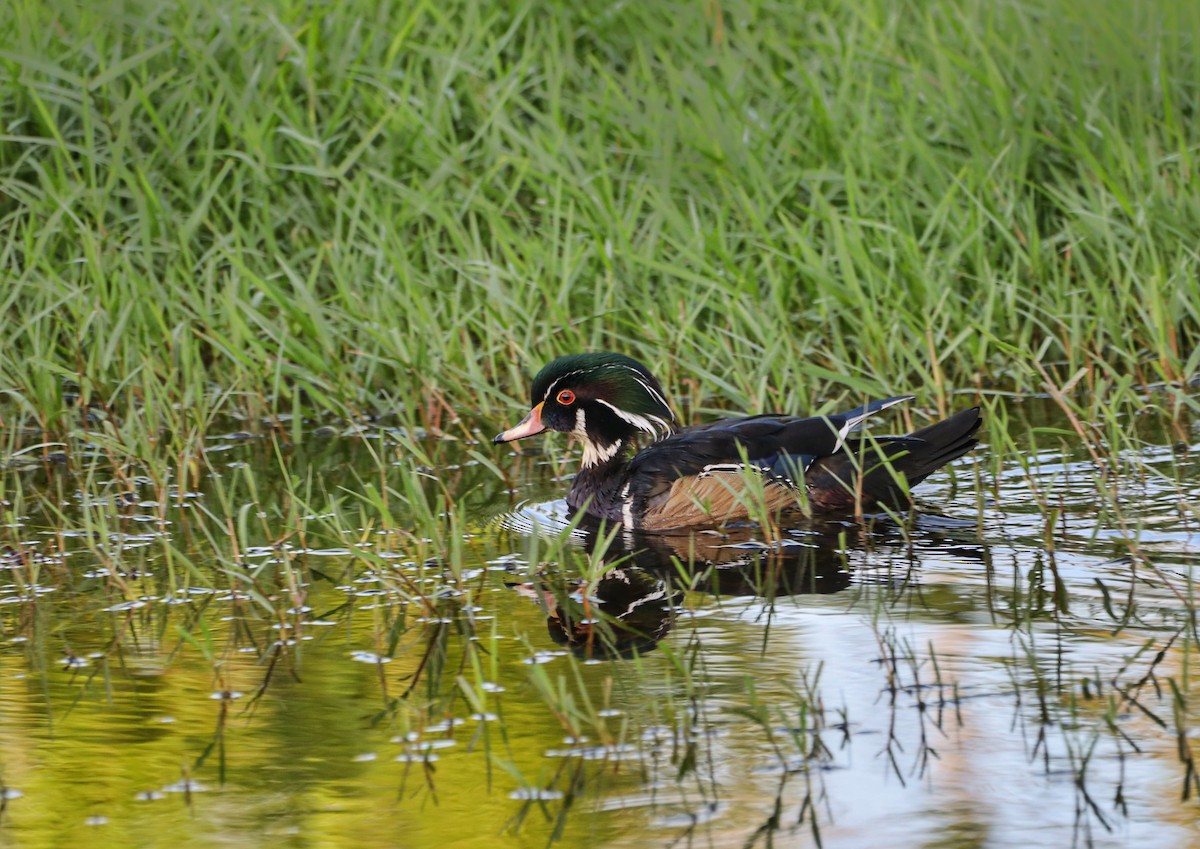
662 425
653 425
558 380
641 379
637 375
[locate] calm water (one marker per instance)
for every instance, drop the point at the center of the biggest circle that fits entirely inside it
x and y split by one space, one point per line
986 674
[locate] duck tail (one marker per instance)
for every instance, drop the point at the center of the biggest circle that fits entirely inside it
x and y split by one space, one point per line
893 464
940 443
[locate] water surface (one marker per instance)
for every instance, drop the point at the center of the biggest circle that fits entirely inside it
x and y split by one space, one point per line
297 657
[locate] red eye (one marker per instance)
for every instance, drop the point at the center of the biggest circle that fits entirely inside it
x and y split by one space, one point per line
566 397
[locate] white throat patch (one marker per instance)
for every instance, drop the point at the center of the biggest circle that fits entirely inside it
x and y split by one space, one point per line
593 454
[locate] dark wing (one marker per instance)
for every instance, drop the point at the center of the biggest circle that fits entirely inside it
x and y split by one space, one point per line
883 470
700 474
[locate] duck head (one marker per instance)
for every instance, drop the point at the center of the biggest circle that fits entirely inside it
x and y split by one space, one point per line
605 399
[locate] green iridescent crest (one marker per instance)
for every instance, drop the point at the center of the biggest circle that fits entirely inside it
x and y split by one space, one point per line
616 379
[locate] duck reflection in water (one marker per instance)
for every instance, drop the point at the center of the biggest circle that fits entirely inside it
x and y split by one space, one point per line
625 612
632 605
640 579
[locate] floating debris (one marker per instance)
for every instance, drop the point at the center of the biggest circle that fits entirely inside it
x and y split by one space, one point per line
542 657
617 752
445 725
535 794
369 657
430 745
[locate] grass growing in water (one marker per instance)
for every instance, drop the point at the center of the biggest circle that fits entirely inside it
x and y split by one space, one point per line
221 228
406 208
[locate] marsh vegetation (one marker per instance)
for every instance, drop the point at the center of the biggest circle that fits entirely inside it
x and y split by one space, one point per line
273 275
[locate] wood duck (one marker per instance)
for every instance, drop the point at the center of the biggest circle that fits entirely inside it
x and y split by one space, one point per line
704 475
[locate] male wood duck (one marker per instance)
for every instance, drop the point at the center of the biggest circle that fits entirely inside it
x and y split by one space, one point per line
697 476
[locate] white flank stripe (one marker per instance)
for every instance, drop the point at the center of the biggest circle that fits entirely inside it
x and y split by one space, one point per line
765 471
627 507
733 467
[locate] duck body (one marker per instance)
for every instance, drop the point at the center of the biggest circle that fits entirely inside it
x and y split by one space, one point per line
719 472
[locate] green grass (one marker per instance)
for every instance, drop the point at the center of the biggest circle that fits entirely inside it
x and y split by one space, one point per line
291 211
384 217
298 208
